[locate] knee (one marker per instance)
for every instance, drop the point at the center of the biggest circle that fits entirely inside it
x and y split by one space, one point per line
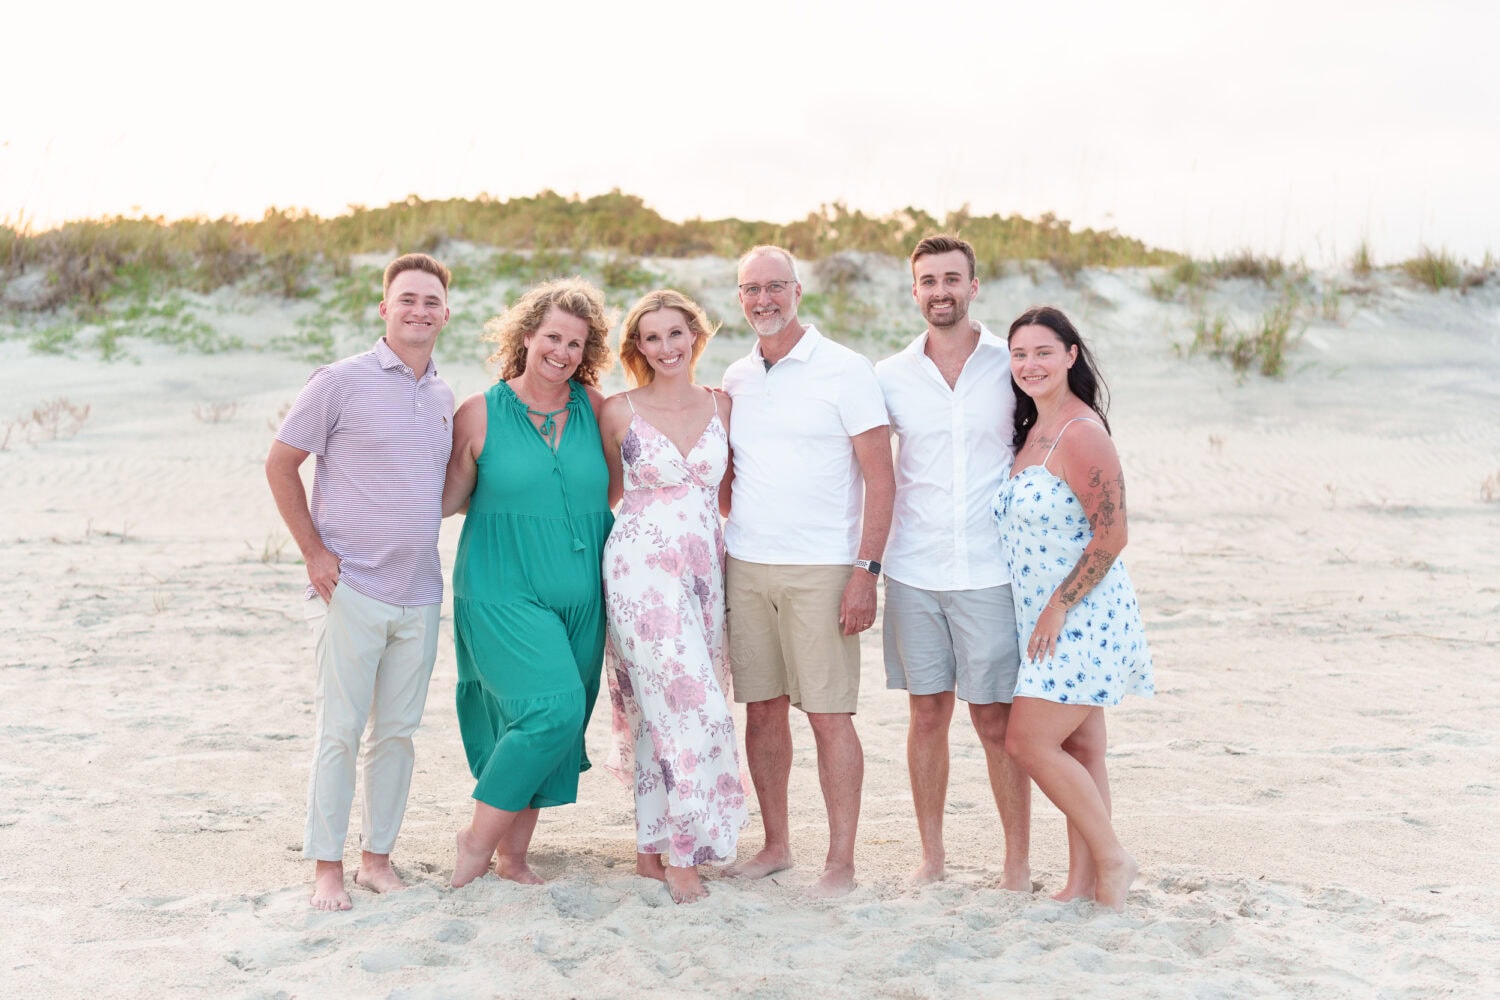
833 730
992 726
339 735
1017 746
929 718
766 716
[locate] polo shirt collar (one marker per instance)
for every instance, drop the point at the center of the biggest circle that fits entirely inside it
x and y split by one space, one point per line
389 360
801 351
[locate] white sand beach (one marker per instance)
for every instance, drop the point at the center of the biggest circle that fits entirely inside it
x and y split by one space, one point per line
1312 796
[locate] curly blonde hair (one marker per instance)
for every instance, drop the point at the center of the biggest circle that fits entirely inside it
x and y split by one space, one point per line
636 366
573 296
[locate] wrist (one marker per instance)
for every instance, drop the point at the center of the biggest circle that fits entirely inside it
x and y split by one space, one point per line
870 566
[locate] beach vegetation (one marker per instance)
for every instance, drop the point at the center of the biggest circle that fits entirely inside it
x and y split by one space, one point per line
1435 270
1489 490
1261 346
1184 277
1361 264
215 413
289 252
47 421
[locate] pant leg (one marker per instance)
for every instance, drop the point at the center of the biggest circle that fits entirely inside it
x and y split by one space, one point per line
347 649
401 684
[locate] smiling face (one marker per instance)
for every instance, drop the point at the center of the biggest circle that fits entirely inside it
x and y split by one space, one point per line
415 310
767 311
1039 361
943 287
666 342
555 349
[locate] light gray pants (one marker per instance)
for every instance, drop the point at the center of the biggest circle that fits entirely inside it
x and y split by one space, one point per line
374 662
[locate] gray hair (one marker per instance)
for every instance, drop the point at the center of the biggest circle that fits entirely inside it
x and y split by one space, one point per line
767 250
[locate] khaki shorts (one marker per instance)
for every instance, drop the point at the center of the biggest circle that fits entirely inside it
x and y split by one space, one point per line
785 639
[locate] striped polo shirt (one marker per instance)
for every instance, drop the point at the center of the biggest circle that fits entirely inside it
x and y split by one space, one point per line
382 436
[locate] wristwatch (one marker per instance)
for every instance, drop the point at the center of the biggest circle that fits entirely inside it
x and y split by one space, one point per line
871 566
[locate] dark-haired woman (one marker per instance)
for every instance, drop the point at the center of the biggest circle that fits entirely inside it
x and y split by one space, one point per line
1061 511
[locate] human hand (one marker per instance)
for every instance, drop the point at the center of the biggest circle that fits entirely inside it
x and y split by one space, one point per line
323 572
1043 642
857 609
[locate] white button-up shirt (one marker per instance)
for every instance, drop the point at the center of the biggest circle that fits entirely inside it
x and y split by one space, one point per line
954 446
798 492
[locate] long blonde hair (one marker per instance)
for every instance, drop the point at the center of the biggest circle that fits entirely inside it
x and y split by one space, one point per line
637 368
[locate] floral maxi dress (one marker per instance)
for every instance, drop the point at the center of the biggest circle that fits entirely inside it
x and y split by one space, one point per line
667 659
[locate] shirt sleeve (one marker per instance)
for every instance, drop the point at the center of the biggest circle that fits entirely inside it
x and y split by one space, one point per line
861 403
315 413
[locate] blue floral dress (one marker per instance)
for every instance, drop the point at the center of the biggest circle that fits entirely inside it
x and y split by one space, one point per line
1101 653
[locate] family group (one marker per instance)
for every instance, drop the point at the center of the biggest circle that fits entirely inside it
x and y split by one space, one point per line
690 547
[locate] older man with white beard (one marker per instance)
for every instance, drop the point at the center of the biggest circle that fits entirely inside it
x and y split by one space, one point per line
811 493
950 628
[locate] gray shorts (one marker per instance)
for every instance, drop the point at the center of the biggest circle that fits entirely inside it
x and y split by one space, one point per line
951 640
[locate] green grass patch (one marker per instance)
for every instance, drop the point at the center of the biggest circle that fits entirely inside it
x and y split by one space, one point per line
1262 347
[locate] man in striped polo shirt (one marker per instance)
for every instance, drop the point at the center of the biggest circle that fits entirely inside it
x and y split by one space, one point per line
380 424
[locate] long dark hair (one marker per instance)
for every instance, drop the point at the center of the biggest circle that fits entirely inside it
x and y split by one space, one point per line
1083 378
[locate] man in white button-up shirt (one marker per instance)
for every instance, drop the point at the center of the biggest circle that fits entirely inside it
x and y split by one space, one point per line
950 629
810 507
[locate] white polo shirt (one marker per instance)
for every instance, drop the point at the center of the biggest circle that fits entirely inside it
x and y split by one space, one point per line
953 448
798 493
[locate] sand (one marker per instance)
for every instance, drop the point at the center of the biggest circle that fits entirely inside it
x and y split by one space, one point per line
1312 795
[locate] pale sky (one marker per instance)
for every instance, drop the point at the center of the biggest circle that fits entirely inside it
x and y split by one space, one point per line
1297 129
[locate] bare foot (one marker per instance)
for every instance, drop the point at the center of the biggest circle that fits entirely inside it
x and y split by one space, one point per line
836 881
1016 878
650 866
1070 892
767 862
376 874
685 885
516 869
328 887
929 871
470 862
1113 884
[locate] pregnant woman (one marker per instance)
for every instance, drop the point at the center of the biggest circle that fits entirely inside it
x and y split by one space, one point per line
667 443
1062 527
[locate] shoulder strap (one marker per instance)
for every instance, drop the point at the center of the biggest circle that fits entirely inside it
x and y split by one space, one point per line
1055 440
715 397
630 401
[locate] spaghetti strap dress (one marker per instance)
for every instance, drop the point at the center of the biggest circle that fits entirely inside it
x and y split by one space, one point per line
528 609
1101 654
667 660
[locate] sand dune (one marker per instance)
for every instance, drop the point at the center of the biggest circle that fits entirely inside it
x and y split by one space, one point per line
1312 796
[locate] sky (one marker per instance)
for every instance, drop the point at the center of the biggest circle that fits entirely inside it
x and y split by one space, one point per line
1294 129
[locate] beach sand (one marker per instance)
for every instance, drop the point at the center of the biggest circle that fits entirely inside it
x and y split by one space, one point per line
1312 795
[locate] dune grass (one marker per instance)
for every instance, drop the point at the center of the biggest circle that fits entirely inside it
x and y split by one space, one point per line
1262 346
87 263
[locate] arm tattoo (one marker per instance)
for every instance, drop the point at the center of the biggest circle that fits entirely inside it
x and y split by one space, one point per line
1085 576
1106 506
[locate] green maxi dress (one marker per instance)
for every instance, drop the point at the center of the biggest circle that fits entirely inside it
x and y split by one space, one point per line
528 609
